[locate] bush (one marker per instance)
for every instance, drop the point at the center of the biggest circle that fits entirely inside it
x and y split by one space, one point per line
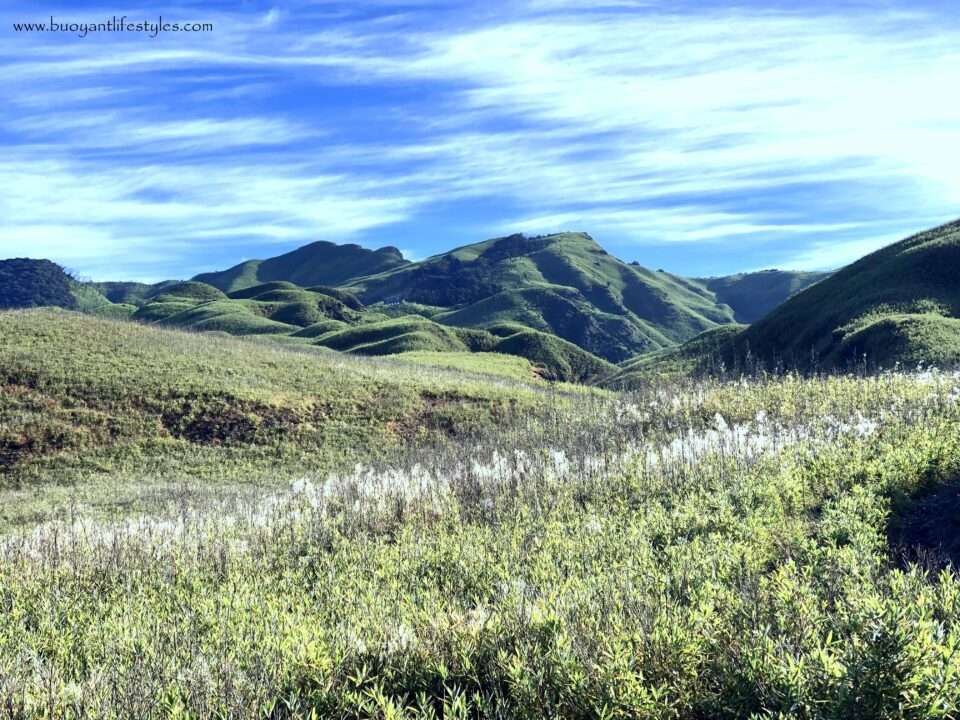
26 283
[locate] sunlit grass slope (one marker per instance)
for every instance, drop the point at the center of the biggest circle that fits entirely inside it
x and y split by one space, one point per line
710 550
555 359
83 396
508 366
336 319
900 303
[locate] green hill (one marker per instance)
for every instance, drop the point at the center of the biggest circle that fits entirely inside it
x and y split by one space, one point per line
564 284
83 397
295 315
707 352
899 304
388 337
26 283
129 293
576 303
320 263
555 358
552 357
271 308
753 295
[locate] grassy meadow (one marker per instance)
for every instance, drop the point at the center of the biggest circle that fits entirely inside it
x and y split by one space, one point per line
201 526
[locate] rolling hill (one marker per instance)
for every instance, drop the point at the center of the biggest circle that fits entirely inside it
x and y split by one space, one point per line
82 396
563 284
560 301
335 319
319 263
707 353
753 295
899 304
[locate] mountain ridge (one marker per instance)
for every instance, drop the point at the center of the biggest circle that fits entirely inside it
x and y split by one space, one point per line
560 300
317 263
896 307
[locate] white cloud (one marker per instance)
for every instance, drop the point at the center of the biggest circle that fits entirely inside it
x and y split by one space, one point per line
655 126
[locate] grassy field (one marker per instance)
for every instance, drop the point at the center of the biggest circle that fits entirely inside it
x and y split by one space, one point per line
298 534
104 408
336 319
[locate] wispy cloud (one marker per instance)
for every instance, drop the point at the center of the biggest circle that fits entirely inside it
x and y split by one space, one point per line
760 131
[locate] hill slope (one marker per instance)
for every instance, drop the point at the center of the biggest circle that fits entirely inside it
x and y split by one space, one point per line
83 396
901 303
319 263
704 354
754 295
335 319
564 284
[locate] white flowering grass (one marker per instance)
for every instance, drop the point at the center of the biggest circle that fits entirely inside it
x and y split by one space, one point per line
698 550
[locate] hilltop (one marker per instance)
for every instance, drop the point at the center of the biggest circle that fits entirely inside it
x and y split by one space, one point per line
319 263
563 284
559 301
899 304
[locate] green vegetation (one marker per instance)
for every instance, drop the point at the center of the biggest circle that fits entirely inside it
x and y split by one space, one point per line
564 287
899 304
754 295
339 321
187 291
704 354
406 334
564 284
320 263
87 400
555 359
86 298
281 525
488 363
116 311
273 308
129 293
187 534
28 283
322 327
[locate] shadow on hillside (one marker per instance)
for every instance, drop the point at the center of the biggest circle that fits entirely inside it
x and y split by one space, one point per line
925 528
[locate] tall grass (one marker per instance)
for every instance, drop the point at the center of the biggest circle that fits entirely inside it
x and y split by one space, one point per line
693 550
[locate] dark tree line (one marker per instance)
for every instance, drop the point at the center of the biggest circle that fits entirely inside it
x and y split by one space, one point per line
28 283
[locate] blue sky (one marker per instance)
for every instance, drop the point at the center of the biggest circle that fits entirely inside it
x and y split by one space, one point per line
701 137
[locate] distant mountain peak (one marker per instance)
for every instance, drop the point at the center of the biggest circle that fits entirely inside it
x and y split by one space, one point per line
562 283
318 263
